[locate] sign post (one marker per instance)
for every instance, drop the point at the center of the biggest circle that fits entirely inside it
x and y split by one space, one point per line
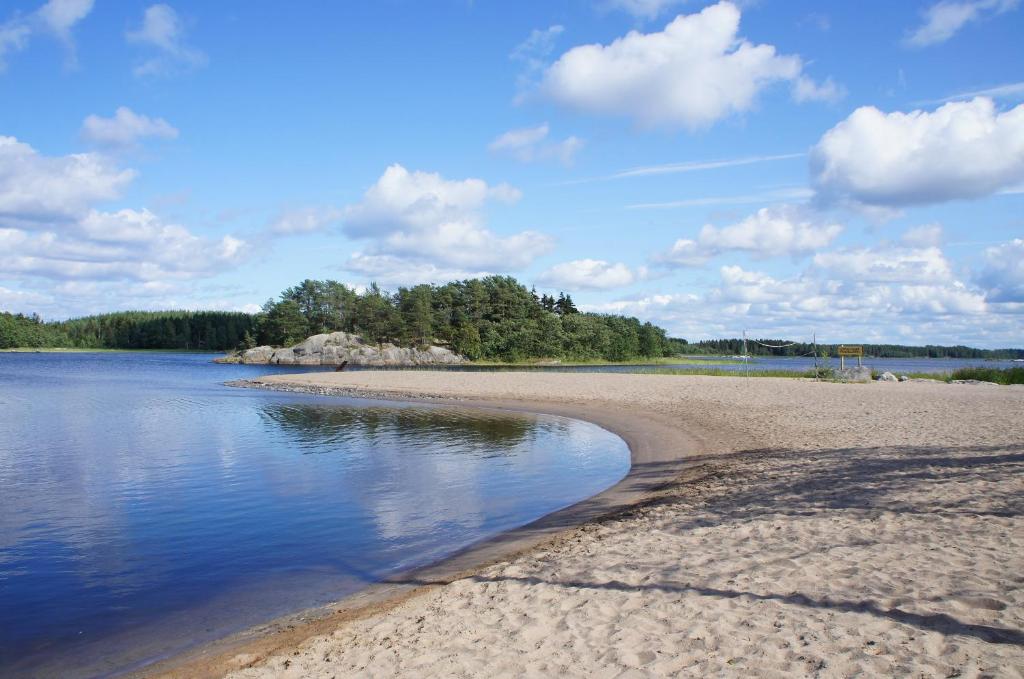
850 350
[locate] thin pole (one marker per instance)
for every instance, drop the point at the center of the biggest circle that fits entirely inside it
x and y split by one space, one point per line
814 345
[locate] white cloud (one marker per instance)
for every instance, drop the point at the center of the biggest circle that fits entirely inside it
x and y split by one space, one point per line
531 144
305 220
943 19
887 265
695 72
130 245
125 128
423 218
56 17
60 16
915 298
770 232
1011 91
686 166
644 9
961 150
52 230
1003 273
533 54
14 37
593 274
35 188
924 236
805 89
390 270
162 30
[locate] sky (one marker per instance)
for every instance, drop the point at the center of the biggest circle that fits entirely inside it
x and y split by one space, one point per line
853 171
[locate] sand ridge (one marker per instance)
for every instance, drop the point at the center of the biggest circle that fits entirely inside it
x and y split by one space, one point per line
826 530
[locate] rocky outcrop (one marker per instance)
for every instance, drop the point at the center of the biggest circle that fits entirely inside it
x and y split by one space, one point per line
339 347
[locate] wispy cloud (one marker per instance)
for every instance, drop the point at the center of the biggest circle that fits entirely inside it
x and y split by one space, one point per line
1011 91
686 166
790 193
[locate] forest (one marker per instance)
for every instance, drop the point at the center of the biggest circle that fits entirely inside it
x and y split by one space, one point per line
495 318
197 330
734 347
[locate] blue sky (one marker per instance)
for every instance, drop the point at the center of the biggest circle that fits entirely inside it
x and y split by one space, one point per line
850 169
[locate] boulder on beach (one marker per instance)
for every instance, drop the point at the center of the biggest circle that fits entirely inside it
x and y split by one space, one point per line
336 348
888 377
858 374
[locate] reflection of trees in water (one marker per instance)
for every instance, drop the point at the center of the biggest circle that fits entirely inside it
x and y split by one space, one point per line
330 425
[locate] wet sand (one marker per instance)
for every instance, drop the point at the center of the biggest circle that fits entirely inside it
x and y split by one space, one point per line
774 527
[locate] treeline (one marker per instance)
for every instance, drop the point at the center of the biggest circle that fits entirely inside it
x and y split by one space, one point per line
734 347
200 330
19 330
492 318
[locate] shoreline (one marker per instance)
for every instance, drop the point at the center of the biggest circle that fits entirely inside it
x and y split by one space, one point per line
651 467
797 531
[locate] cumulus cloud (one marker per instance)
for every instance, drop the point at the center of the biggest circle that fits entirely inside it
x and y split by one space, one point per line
961 150
693 73
784 230
162 31
423 218
56 17
842 300
35 188
588 274
52 229
531 144
943 20
304 220
391 270
125 128
1003 273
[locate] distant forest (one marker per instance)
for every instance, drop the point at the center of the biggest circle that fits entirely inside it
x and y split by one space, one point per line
494 318
200 330
734 347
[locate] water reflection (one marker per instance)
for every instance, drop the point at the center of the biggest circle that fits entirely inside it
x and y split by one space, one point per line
138 494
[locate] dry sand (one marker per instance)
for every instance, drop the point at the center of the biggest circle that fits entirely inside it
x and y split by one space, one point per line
823 530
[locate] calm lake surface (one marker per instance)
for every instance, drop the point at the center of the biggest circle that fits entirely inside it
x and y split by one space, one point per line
145 507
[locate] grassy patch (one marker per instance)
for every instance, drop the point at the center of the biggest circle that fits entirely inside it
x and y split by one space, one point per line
551 362
997 375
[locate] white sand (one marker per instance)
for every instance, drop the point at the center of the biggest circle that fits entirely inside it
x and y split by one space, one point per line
831 530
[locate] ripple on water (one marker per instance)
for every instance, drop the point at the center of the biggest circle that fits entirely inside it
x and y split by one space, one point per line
146 507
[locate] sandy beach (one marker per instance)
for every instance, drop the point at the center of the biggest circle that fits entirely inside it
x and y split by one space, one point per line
788 528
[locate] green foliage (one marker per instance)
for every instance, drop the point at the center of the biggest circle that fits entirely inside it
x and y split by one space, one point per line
205 330
997 375
18 330
494 318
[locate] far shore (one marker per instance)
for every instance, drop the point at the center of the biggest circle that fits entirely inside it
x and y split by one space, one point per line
775 527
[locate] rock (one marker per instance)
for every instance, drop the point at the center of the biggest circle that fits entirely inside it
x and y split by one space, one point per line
904 378
336 348
858 374
888 377
258 355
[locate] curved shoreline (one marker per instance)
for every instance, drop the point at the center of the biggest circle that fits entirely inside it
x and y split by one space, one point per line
658 455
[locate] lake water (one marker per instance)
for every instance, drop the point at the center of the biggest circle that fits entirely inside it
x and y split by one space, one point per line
145 507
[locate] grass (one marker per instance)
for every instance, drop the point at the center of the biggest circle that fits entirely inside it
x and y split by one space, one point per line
544 362
997 375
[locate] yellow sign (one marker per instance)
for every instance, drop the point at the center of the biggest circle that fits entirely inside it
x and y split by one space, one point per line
845 350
